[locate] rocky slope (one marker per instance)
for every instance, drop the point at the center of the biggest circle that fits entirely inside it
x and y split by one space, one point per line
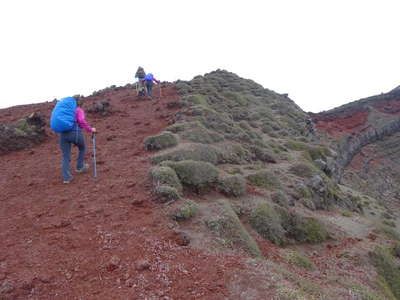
220 189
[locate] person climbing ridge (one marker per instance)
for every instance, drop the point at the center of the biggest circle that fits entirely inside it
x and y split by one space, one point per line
140 74
148 80
68 119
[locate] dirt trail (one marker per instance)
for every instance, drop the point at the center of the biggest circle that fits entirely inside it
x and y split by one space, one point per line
97 239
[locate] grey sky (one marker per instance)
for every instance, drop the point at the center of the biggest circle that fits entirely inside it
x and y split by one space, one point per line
323 53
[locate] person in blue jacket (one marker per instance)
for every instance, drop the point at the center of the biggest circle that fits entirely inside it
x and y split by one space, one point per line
148 81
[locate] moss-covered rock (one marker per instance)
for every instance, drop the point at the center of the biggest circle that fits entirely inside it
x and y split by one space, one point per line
165 176
264 179
196 152
199 176
232 185
232 231
266 222
164 140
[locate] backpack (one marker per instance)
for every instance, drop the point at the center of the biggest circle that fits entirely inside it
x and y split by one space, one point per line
148 77
63 115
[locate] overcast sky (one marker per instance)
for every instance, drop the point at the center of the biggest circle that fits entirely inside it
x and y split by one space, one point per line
323 53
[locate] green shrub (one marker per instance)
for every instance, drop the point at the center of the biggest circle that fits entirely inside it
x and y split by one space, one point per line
232 185
280 198
266 222
182 126
264 179
236 98
185 212
233 153
303 170
318 152
161 141
297 259
310 230
296 146
234 171
201 135
166 193
264 155
196 99
165 176
229 227
396 249
387 231
387 268
182 87
197 152
196 175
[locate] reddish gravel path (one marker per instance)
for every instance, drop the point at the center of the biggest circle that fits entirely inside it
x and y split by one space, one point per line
97 239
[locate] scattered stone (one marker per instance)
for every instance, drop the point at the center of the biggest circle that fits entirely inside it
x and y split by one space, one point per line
68 275
182 239
114 263
102 107
142 265
137 202
130 282
6 287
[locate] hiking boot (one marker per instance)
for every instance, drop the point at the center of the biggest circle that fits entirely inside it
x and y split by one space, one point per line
84 169
68 181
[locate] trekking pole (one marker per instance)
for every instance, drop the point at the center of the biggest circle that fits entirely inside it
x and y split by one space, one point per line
94 155
160 89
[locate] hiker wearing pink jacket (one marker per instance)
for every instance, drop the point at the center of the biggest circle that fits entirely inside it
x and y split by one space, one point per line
75 137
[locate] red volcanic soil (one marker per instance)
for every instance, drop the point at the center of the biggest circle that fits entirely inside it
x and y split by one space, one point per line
338 125
101 238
